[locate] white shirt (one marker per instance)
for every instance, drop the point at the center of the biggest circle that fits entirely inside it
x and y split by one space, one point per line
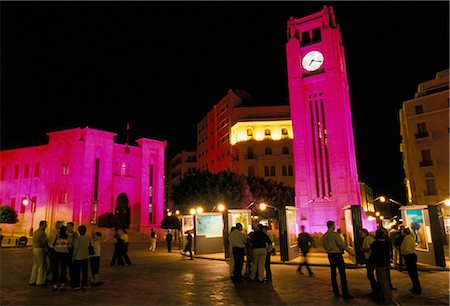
237 239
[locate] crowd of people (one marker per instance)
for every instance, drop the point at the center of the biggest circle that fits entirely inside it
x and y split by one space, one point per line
61 258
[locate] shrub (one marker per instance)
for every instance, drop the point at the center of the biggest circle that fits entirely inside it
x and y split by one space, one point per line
8 215
106 220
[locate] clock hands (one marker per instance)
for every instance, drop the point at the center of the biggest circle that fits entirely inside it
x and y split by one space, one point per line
313 60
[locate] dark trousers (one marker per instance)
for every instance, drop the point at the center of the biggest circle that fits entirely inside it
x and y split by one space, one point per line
238 254
81 266
125 254
71 266
59 268
118 255
411 265
337 261
371 276
305 263
267 266
169 246
187 248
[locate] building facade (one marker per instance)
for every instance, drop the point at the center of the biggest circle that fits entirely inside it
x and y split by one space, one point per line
326 178
81 174
424 127
184 162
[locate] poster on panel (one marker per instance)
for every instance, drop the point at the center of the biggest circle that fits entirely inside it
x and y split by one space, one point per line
188 223
242 216
209 225
349 235
416 222
292 228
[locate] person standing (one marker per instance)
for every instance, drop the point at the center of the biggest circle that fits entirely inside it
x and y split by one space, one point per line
230 252
259 242
237 240
188 246
270 251
408 250
51 251
381 257
398 239
334 246
119 245
81 258
367 241
39 270
169 238
61 259
72 236
305 242
153 237
94 260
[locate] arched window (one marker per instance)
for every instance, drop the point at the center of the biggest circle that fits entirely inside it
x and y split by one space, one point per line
249 132
268 151
266 171
251 171
284 171
272 170
250 154
290 170
284 131
431 186
285 150
267 132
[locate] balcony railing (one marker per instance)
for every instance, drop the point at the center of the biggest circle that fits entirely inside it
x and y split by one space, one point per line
426 163
421 135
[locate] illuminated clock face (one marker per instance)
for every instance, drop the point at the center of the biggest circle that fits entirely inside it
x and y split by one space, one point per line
312 61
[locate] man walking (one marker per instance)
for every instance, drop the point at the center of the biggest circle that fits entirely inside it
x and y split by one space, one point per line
169 238
334 246
305 242
237 240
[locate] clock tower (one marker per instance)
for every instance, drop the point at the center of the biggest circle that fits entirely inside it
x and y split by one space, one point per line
326 178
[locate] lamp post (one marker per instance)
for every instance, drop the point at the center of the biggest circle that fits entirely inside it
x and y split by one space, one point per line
25 201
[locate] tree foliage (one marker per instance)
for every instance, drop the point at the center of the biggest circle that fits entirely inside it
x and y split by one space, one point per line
170 222
206 189
8 215
107 220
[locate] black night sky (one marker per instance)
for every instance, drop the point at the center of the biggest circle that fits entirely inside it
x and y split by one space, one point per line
162 66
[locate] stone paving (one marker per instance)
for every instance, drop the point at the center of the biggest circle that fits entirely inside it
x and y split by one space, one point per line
163 278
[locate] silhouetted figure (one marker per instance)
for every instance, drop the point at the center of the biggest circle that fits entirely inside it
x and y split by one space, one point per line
305 242
188 246
408 250
169 238
370 266
381 250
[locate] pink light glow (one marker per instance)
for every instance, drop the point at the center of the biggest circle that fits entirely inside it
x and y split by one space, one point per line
81 170
326 177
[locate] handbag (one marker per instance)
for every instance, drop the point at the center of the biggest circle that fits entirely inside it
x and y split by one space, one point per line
91 248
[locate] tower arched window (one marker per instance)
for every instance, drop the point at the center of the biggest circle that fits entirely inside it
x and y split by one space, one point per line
284 170
272 170
267 132
250 153
290 170
266 171
284 131
251 171
285 150
249 132
268 151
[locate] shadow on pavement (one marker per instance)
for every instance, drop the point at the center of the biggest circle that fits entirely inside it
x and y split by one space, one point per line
267 295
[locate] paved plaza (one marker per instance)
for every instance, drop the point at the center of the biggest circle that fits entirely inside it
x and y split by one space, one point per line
163 278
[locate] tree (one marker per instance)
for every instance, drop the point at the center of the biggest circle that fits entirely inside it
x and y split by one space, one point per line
206 189
107 220
8 215
170 222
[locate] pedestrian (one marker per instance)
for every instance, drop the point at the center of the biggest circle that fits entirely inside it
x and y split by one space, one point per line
238 240
393 233
341 234
81 258
188 246
367 241
305 242
230 252
72 236
408 249
94 260
169 238
270 251
125 238
334 246
119 244
386 237
153 237
60 259
259 241
381 250
51 252
40 244
398 239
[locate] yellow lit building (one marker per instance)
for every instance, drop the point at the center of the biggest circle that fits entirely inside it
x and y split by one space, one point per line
424 127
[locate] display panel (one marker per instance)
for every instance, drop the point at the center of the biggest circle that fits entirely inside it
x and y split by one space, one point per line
188 223
415 221
209 225
291 224
349 229
242 216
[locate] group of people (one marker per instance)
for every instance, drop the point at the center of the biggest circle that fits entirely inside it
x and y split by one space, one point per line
395 246
65 250
256 247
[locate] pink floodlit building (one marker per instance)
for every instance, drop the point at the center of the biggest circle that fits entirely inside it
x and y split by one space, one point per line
79 175
326 178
